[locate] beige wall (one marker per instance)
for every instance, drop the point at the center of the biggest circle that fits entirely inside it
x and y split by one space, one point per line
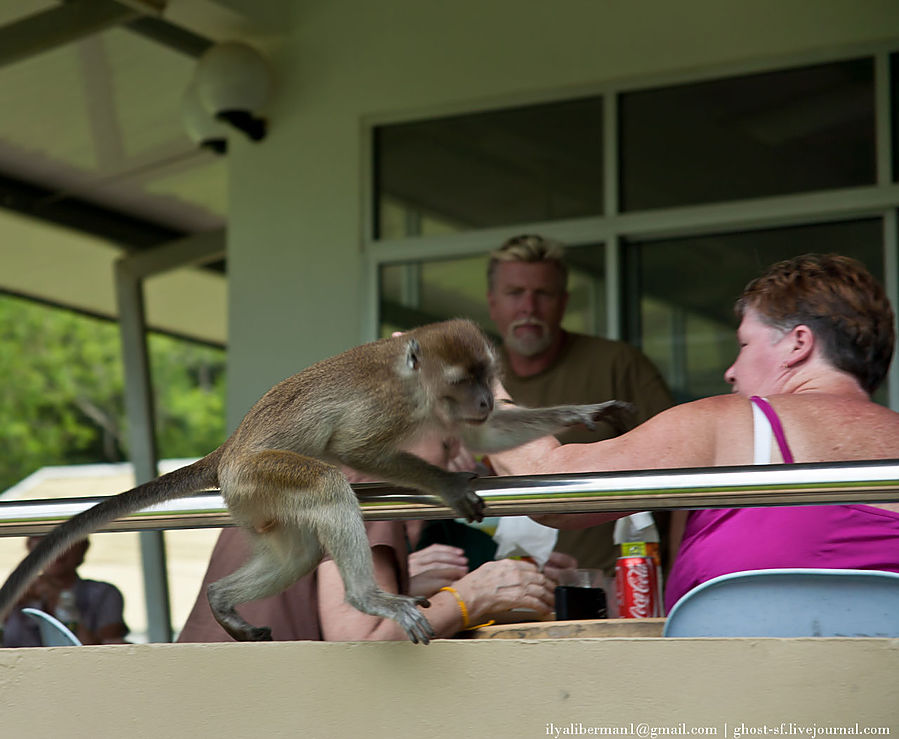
295 266
450 689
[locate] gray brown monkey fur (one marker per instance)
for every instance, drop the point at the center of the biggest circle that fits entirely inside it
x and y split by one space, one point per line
278 476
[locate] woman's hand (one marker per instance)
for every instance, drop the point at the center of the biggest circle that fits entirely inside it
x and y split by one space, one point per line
503 585
435 567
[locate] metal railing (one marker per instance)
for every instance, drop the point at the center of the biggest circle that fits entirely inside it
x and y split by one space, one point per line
708 487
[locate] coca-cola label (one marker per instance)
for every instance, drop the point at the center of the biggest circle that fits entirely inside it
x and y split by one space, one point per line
637 588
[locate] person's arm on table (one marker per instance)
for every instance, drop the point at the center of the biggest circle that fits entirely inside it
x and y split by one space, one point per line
492 588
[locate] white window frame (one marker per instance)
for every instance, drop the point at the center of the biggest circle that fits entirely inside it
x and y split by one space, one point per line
880 200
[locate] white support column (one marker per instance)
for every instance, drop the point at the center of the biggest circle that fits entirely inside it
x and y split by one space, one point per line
142 441
130 272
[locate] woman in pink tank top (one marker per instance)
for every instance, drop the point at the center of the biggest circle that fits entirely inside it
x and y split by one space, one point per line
815 340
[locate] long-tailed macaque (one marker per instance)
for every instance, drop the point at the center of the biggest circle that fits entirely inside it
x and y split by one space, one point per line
278 476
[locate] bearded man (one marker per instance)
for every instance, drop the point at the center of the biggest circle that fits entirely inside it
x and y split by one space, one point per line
527 292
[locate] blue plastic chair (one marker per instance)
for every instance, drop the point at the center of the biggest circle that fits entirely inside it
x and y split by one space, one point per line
54 633
790 603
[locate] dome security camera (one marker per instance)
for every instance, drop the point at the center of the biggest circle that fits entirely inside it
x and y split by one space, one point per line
232 83
201 127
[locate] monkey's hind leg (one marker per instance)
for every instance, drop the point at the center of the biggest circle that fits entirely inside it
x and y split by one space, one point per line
304 505
276 563
342 534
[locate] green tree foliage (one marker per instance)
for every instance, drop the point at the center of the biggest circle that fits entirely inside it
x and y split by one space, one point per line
62 391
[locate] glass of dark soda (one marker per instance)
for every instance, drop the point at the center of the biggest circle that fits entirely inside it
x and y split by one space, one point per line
580 595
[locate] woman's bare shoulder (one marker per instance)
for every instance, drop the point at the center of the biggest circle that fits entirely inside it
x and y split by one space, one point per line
708 413
704 409
823 427
819 406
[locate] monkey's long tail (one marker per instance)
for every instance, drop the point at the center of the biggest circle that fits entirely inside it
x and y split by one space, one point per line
200 475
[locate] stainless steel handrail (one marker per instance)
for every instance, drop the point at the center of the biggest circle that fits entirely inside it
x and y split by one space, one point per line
707 487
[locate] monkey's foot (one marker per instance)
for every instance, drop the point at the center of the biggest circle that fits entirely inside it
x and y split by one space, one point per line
399 608
239 629
252 633
259 633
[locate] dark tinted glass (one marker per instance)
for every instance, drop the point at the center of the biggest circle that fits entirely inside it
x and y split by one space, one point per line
760 135
686 289
519 165
894 99
413 293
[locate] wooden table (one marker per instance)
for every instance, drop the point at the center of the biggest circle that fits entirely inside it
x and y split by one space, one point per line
592 628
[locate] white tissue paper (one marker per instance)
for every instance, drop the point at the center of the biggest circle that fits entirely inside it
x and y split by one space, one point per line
520 536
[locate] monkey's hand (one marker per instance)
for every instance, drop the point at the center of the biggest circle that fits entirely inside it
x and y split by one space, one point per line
453 488
616 413
459 496
510 425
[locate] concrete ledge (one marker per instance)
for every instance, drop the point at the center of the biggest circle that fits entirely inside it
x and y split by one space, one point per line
497 688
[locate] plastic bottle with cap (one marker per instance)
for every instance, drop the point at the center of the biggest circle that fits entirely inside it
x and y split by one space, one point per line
637 536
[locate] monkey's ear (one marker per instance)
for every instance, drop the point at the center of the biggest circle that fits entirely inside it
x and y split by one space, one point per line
413 354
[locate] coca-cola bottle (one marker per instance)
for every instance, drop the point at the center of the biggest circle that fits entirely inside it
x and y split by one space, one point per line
638 569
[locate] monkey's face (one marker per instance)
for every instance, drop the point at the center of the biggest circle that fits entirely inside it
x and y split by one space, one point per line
457 366
466 396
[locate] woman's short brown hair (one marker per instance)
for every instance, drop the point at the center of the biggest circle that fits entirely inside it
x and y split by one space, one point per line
836 297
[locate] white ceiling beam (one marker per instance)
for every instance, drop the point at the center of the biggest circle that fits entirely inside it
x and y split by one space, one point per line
191 251
57 26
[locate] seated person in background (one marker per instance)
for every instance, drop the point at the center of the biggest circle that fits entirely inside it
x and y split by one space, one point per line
99 605
314 607
815 339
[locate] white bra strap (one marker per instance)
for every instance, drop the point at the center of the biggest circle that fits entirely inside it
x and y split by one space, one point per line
762 436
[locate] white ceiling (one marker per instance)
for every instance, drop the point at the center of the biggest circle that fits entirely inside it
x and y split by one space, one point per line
92 118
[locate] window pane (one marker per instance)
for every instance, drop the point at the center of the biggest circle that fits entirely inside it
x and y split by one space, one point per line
414 293
687 290
759 135
520 165
894 98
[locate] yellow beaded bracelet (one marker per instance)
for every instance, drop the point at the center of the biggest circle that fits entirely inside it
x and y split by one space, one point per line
462 607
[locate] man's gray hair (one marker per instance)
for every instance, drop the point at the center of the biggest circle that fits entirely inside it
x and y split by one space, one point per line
529 248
